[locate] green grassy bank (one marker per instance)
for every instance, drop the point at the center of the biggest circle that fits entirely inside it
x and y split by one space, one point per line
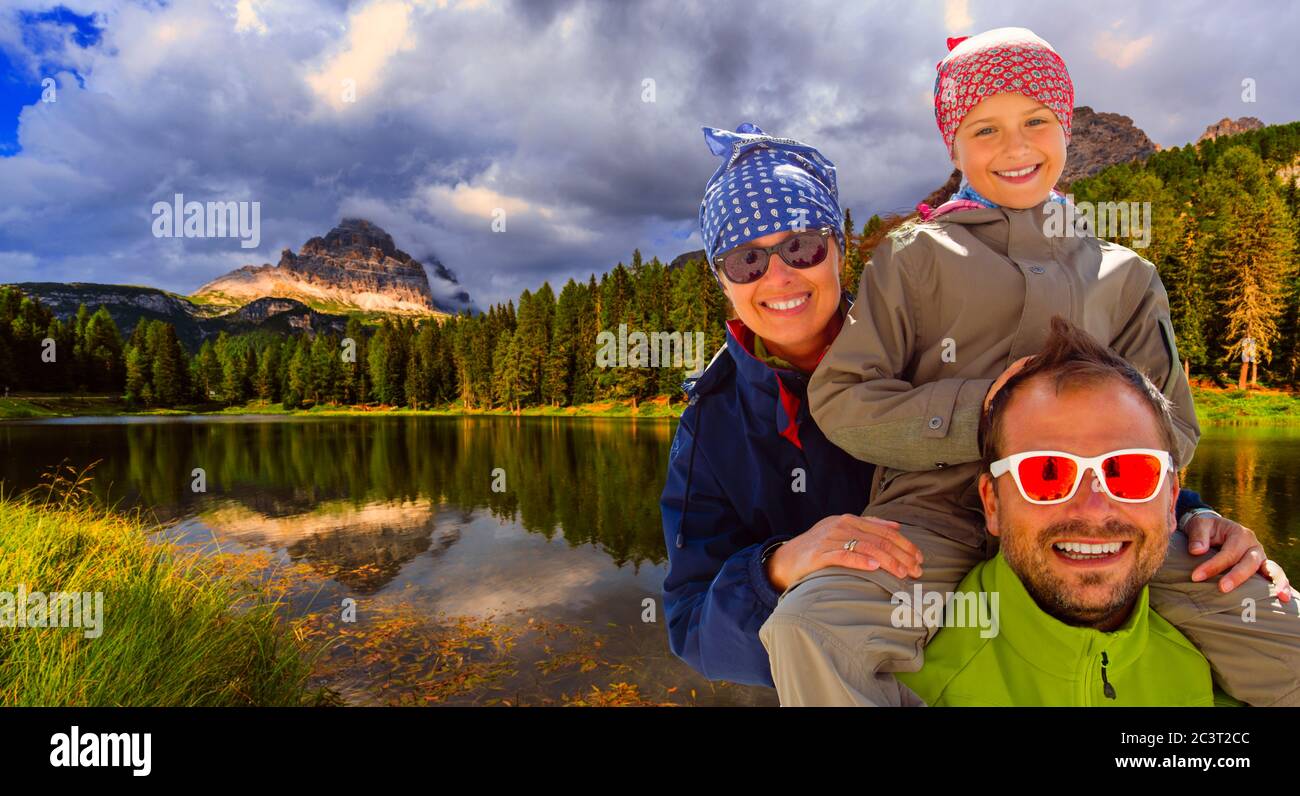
173 630
1214 407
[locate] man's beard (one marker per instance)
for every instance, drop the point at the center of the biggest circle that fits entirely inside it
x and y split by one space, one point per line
1060 598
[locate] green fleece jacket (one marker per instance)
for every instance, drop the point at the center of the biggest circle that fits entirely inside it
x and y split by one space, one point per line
1035 659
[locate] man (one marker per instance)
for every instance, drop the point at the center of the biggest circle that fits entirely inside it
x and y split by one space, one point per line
1078 546
1079 487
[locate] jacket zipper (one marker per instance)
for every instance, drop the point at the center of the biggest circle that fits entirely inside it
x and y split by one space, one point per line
690 469
1107 689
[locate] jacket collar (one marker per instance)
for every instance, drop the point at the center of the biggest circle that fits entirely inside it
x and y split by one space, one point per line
1021 235
1049 643
768 380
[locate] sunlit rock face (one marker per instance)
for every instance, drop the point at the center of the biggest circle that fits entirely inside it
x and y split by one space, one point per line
1226 126
355 267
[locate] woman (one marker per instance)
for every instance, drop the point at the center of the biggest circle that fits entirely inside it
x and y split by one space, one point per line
757 497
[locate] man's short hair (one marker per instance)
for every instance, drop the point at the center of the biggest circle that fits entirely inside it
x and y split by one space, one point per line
1074 358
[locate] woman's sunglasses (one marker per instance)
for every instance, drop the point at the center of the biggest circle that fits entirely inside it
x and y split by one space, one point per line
1045 478
745 264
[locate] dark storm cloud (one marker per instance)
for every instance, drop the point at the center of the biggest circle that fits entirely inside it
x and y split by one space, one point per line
531 108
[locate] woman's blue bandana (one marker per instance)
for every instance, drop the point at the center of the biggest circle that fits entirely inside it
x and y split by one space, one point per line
765 185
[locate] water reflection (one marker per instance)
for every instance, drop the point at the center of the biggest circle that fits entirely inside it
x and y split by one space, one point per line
1252 474
401 514
401 511
343 492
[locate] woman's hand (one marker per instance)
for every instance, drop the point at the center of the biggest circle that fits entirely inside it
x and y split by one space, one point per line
878 544
1239 549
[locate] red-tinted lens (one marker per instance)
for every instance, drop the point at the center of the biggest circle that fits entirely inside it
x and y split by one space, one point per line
1047 477
745 265
804 250
1132 476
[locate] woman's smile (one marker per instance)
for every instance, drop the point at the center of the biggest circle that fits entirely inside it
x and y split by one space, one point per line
787 305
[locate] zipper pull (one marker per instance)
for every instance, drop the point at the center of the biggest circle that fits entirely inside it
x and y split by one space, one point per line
1108 689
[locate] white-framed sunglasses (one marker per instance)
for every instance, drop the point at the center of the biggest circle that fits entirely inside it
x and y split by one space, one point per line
1045 478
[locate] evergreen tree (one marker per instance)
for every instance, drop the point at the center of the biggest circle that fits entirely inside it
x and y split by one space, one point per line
699 305
558 382
377 362
851 264
169 366
1173 246
102 353
267 382
617 307
137 377
209 372
299 375
1251 252
236 375
355 382
532 341
507 372
584 346
78 373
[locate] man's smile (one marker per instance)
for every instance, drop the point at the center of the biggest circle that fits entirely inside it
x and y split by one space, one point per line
1088 554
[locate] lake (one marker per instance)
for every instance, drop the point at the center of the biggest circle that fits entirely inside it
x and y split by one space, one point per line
490 559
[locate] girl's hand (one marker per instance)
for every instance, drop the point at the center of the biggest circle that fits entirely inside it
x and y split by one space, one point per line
878 544
1011 370
1239 549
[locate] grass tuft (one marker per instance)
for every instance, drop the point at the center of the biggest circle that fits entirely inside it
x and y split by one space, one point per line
175 629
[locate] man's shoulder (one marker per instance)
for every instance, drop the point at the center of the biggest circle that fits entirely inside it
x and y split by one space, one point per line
1171 670
961 648
1165 639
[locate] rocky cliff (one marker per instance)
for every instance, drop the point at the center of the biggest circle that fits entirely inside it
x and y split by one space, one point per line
1099 140
356 267
1226 126
194 323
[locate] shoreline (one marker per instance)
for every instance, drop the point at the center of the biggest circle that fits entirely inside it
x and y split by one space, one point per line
24 407
1214 407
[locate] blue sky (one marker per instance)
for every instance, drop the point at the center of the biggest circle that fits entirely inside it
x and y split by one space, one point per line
18 90
464 108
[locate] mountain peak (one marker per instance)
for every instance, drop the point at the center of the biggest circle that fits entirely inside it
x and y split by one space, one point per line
356 266
1100 140
1226 126
356 235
